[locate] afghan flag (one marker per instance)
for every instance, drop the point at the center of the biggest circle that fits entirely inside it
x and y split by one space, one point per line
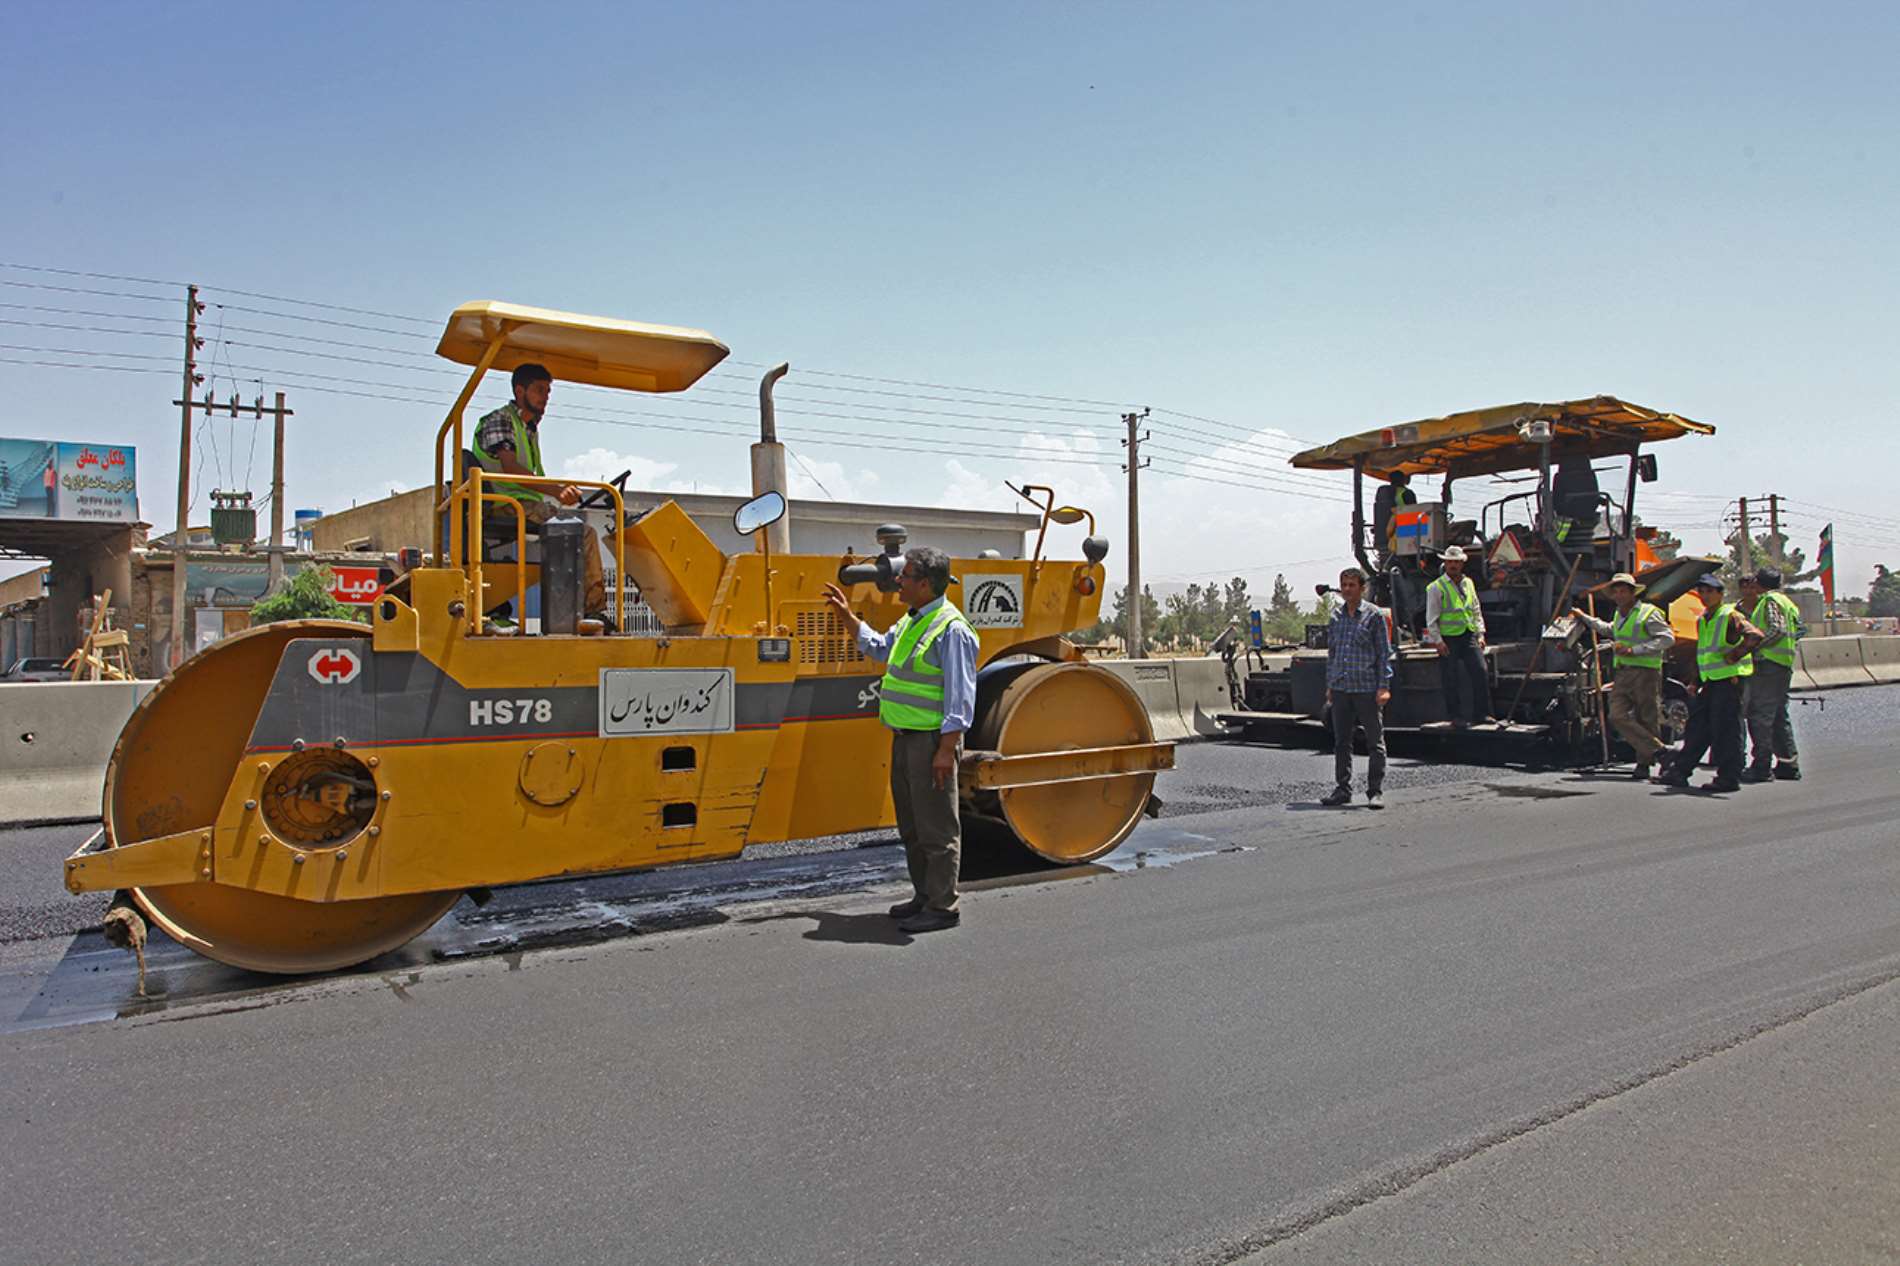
1827 565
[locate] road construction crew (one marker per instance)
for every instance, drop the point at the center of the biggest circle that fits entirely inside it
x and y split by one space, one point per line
1642 636
927 698
508 441
1725 643
1358 686
1770 731
1454 623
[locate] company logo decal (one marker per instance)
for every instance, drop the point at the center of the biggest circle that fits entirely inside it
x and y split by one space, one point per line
334 667
994 601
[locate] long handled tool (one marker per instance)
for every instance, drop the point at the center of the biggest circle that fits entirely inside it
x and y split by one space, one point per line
1596 684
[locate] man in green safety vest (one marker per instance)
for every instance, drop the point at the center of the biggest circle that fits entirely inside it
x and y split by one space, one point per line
928 699
1641 636
508 441
1770 731
1725 644
1454 622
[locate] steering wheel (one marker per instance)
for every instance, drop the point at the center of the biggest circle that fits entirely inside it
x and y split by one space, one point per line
598 497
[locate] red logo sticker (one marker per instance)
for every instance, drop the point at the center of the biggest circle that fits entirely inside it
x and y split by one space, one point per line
334 667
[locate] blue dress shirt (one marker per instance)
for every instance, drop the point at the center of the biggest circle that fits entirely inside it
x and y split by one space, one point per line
954 651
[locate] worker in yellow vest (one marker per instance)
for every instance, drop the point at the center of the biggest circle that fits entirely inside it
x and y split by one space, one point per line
1770 731
1725 645
1454 623
1642 636
928 699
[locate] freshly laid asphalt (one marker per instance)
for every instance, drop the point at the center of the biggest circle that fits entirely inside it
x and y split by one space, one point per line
1520 1016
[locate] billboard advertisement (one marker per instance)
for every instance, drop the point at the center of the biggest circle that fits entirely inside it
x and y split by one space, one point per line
74 483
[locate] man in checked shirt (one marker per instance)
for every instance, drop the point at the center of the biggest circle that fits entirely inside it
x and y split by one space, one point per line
1358 686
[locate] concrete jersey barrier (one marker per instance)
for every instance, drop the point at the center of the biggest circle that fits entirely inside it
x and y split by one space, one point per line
1200 685
1882 657
1152 680
55 739
1832 661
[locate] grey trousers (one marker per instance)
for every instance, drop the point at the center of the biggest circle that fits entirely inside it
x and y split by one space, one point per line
1354 709
927 818
1770 732
1636 709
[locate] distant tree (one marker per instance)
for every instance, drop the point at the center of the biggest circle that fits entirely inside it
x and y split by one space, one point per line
1237 604
1115 623
1883 596
1283 620
306 596
1769 550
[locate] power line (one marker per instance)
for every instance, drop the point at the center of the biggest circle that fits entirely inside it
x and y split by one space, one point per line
79 290
74 272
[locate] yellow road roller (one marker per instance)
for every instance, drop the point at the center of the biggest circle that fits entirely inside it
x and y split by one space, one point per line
307 795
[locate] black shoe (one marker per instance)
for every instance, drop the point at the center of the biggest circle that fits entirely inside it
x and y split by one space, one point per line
904 909
1758 773
606 621
1722 785
1337 797
1787 772
1671 780
1641 772
1374 800
928 920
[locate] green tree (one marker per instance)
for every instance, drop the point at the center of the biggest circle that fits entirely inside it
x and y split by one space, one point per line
1115 624
306 596
1769 550
1883 596
1283 620
1236 605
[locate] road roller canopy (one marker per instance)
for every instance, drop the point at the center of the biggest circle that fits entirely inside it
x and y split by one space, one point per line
599 351
1486 441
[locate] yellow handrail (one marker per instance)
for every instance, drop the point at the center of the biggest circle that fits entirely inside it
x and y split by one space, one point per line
454 421
474 499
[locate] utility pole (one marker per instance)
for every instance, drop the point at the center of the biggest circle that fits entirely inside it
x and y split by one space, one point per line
1133 445
1780 560
1743 553
179 538
276 566
209 405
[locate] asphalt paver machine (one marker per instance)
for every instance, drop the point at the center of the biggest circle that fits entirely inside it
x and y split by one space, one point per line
1549 540
306 795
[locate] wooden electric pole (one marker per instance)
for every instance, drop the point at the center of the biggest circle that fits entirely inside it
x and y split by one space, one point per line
1134 648
1780 559
1743 553
180 538
276 567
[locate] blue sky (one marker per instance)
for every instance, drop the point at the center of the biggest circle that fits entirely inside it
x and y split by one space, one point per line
1293 221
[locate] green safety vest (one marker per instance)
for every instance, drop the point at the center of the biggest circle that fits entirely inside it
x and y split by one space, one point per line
1456 603
1629 628
527 452
911 695
1780 648
1711 647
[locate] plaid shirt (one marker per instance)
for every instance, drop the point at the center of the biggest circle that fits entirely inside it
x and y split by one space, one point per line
1358 651
495 433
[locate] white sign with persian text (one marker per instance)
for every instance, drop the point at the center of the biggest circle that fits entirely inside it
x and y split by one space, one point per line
637 701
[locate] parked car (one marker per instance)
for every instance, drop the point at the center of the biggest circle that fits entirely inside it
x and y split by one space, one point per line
36 669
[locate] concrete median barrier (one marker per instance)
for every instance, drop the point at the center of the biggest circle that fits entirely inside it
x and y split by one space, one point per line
1153 683
1829 662
1201 687
56 738
1882 657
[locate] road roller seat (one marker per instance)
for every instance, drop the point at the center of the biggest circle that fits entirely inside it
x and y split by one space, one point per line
498 524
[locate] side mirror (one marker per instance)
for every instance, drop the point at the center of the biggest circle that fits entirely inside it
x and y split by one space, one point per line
1646 468
762 511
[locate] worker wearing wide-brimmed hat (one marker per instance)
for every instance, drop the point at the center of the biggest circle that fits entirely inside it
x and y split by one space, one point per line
1641 636
1725 646
1454 623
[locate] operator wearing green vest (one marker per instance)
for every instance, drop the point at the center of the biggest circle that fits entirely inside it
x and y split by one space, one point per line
928 699
1725 643
1642 636
1454 621
508 441
1770 731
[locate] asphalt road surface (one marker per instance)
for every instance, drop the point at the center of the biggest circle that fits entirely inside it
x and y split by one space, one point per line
1521 1016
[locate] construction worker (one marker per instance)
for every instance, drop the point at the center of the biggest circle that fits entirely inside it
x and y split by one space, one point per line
1397 492
1454 623
1641 637
1358 686
928 699
1770 731
508 441
1725 645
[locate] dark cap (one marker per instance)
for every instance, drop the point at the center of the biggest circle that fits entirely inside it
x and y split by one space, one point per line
1709 580
531 372
1767 578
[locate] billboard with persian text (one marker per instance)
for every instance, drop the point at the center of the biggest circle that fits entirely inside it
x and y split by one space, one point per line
74 483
